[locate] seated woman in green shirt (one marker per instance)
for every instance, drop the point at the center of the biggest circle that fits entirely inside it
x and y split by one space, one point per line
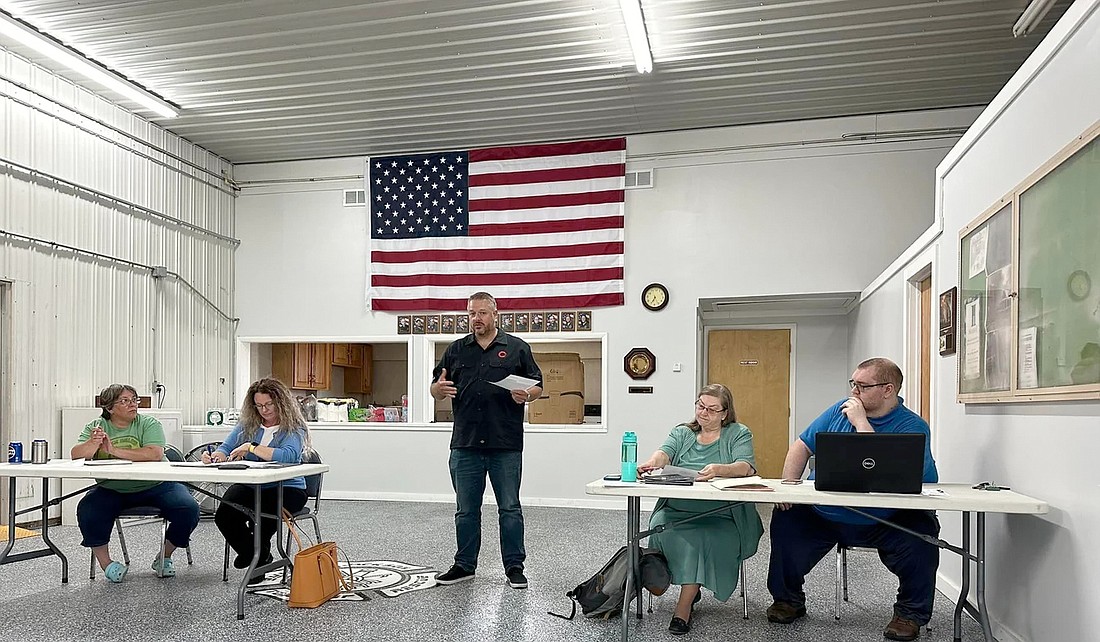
706 551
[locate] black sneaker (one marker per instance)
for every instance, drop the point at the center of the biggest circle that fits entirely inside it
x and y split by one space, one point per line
455 575
516 578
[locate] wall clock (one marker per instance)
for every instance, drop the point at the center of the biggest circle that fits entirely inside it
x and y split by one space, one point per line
655 296
639 363
1079 285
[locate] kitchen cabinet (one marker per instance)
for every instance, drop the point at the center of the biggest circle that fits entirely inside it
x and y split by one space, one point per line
361 379
348 355
305 366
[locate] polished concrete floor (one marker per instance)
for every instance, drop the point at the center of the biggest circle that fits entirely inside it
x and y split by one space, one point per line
564 545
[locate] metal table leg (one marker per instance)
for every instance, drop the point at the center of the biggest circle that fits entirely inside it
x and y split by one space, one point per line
633 511
983 615
46 530
964 590
255 553
7 557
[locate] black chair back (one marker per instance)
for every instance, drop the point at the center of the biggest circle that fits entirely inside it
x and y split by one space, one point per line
171 453
313 482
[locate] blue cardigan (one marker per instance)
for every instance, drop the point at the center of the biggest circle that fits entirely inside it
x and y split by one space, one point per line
288 450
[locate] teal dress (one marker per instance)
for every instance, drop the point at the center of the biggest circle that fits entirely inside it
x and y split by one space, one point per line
707 550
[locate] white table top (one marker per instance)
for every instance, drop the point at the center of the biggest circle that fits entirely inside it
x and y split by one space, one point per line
956 497
159 471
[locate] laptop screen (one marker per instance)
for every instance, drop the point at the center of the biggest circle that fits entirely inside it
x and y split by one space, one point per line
867 462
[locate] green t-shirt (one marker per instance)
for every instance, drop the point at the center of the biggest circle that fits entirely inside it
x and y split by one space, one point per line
142 431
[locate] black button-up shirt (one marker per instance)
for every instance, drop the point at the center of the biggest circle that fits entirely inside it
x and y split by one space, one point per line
485 415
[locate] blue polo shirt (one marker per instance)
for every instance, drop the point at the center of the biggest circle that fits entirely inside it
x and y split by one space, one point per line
485 415
898 420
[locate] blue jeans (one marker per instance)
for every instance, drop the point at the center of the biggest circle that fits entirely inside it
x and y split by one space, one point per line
801 537
468 470
97 511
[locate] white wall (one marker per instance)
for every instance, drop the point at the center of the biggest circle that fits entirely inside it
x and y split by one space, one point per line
1044 572
734 212
74 322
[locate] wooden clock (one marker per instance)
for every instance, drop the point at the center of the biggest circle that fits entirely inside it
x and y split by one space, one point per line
655 297
639 363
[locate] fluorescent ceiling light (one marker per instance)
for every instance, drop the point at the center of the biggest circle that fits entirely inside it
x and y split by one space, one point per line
26 35
1031 17
635 30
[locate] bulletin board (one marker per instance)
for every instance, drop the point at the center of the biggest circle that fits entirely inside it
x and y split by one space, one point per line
1029 286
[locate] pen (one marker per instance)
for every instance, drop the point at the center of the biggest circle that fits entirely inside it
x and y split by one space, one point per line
210 452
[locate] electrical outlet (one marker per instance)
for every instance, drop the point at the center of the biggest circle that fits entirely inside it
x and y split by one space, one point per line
677 367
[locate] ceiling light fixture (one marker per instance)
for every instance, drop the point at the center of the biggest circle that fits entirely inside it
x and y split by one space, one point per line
635 30
27 35
1031 17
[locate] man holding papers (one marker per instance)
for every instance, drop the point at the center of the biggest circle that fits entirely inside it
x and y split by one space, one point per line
487 438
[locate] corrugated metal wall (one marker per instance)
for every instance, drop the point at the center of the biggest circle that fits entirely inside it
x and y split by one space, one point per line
91 197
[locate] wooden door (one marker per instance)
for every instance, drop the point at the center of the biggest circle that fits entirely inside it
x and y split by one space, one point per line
925 287
756 366
320 365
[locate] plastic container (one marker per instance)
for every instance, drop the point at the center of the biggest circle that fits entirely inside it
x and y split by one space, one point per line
630 457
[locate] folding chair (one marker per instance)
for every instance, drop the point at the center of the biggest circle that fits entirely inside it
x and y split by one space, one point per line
842 579
144 515
744 598
313 492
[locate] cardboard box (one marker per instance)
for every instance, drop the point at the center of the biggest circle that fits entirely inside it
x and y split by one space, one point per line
554 408
561 372
562 400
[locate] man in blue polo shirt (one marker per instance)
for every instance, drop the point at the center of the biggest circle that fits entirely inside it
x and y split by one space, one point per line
487 438
801 535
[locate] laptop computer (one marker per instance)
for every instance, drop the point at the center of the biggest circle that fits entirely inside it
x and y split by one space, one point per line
861 462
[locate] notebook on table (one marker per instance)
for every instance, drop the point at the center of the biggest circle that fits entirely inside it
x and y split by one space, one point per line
867 462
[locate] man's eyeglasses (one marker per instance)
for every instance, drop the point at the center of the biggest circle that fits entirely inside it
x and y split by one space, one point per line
264 406
701 407
852 383
129 401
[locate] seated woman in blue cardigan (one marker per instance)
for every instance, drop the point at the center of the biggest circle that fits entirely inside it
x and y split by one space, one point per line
271 428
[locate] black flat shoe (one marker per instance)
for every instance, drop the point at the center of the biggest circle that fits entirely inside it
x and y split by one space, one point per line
678 626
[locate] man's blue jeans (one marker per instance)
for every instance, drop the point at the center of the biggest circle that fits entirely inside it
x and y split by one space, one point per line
801 537
96 512
468 470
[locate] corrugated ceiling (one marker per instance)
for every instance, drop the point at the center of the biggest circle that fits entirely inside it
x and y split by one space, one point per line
265 80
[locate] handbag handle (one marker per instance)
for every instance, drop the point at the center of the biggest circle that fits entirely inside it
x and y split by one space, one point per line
349 583
290 527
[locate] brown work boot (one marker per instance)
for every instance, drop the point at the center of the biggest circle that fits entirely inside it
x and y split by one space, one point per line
785 612
901 629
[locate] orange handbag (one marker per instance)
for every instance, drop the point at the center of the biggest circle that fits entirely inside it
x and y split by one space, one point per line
316 578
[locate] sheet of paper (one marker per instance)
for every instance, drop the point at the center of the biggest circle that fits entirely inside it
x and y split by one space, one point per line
106 462
1029 372
189 464
731 482
515 382
972 358
934 492
978 244
676 470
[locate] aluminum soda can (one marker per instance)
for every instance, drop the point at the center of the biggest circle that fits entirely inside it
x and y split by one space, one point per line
40 451
15 452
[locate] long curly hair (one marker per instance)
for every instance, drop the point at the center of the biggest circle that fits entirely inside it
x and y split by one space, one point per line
290 413
722 393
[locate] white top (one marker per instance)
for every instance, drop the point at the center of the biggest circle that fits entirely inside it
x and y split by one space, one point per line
954 497
159 471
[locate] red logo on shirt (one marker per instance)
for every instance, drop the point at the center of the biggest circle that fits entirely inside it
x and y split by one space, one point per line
502 354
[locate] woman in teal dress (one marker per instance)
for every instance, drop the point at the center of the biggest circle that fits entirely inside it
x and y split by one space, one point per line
706 551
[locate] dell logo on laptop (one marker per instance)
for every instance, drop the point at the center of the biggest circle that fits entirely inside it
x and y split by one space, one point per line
868 463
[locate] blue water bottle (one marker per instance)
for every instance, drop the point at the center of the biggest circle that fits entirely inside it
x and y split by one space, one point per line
630 457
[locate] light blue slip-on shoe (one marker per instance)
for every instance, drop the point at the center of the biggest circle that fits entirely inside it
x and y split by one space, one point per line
165 569
115 571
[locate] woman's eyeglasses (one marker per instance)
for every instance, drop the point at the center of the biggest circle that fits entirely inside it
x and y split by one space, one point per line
701 407
264 406
129 401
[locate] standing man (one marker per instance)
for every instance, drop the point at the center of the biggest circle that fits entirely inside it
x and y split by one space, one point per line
487 436
801 535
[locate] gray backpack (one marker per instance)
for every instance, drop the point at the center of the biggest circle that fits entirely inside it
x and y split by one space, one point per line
603 594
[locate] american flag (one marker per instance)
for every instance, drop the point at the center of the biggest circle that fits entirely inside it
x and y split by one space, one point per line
538 226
